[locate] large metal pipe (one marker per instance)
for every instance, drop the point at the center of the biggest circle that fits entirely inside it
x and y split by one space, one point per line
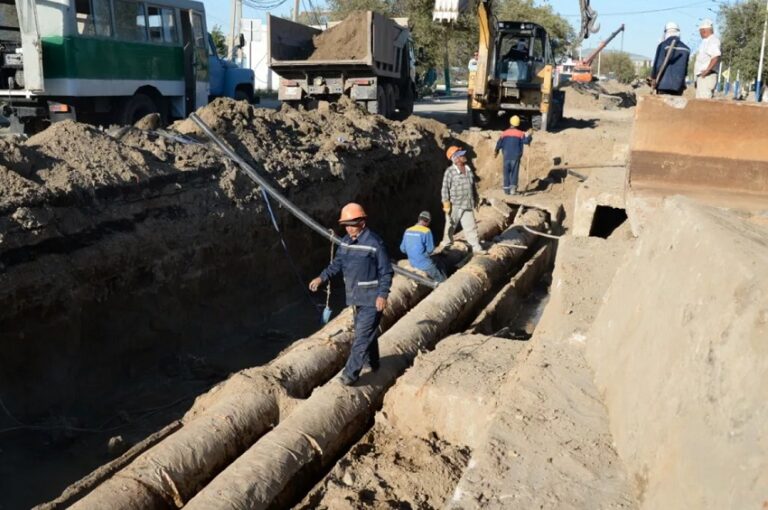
275 470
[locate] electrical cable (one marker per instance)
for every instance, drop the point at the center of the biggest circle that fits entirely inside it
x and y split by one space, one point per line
291 262
542 234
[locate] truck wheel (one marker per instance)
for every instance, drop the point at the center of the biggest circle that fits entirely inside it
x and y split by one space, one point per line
481 118
380 105
244 94
406 106
537 121
391 101
137 107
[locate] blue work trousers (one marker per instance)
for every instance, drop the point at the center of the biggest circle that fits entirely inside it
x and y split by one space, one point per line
511 173
435 273
365 348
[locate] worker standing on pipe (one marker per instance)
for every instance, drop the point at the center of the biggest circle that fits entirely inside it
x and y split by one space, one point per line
670 66
511 143
707 58
367 279
418 244
459 197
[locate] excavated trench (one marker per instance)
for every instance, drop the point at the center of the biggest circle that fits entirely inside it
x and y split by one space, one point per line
140 268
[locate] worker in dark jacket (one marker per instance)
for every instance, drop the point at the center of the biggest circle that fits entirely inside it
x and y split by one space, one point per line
368 274
511 144
670 79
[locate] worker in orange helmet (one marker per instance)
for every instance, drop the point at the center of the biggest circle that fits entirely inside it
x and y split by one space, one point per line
367 270
459 196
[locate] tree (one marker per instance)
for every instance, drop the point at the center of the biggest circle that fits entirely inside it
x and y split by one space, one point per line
618 63
741 38
219 41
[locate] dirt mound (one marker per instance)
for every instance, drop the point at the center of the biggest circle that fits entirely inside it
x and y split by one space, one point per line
387 469
346 41
605 95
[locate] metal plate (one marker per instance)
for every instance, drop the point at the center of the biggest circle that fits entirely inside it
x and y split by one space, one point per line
14 59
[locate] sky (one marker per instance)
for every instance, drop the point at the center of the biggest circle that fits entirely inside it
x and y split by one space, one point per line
644 19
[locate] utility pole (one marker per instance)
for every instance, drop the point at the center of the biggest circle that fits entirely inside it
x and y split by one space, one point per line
232 34
759 84
295 10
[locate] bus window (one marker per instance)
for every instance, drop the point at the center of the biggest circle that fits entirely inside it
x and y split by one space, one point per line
197 30
130 22
93 17
162 24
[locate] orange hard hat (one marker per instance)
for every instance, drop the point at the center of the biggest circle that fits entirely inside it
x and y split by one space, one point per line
452 150
352 212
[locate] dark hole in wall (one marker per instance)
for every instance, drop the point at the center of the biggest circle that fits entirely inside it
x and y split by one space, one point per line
606 220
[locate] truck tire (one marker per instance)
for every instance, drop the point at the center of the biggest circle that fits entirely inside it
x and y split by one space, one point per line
406 104
137 107
391 101
481 118
538 121
380 105
244 94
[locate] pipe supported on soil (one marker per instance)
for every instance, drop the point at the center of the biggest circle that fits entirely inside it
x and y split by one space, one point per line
275 468
226 421
301 215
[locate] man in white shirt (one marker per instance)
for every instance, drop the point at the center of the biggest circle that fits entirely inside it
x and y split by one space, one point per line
472 66
707 58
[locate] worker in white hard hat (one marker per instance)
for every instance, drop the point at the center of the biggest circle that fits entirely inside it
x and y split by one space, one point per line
707 58
670 66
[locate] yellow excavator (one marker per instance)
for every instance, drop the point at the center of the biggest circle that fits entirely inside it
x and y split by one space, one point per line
515 72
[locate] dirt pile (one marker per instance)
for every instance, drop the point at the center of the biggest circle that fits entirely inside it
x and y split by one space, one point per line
346 41
125 253
387 469
604 95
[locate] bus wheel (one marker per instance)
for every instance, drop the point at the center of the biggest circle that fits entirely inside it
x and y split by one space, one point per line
137 107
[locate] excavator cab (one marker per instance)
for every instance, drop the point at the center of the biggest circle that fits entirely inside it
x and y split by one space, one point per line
519 80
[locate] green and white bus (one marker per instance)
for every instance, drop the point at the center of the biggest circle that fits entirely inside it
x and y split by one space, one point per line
110 60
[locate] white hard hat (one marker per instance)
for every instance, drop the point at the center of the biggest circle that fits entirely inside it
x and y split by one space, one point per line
706 23
671 26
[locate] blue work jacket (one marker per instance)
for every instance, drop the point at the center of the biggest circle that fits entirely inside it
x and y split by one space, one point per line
418 244
367 272
511 143
674 75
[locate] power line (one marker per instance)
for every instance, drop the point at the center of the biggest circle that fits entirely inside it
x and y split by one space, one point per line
630 13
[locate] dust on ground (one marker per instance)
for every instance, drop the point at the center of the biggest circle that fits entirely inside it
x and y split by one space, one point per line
346 41
387 469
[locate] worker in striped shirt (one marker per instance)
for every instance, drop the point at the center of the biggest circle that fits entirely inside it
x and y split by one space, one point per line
511 144
419 244
459 197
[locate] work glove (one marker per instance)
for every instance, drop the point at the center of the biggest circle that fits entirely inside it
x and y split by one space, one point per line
447 207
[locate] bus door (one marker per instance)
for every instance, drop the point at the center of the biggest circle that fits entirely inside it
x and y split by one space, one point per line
30 46
188 42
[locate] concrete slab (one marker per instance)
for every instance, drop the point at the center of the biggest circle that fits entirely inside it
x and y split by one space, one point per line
604 187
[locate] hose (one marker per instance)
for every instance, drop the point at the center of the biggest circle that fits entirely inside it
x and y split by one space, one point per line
292 208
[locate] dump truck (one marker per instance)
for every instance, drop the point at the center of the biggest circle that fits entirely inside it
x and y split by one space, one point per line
108 62
367 57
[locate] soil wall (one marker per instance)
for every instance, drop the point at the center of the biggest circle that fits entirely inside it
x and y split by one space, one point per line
121 251
680 356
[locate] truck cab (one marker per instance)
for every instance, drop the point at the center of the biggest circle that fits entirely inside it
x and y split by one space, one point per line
227 79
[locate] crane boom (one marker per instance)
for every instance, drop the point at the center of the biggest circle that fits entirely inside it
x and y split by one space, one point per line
602 45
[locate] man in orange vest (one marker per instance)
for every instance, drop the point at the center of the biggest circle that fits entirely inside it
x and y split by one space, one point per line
511 144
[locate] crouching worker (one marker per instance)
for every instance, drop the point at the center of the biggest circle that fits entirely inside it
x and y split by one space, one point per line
419 244
367 278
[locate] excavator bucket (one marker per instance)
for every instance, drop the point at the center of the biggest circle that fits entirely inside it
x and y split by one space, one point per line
447 11
713 151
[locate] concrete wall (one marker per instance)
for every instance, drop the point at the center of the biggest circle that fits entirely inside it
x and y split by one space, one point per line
680 353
